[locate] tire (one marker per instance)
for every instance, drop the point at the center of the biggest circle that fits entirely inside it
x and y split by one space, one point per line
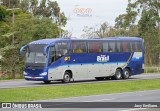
126 74
118 74
99 78
47 82
66 77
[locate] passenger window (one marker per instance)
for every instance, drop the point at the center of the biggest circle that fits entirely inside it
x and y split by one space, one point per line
112 47
79 47
138 46
118 48
62 48
94 47
105 47
126 47
132 46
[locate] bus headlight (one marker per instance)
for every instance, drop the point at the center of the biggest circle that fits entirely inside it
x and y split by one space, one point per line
24 73
43 74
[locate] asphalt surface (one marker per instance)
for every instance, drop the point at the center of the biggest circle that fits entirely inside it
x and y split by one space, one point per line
24 83
139 96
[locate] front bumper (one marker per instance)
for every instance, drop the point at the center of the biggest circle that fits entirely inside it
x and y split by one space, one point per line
35 78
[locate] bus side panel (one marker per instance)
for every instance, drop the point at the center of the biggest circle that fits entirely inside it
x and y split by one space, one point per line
86 65
108 64
97 64
136 63
78 64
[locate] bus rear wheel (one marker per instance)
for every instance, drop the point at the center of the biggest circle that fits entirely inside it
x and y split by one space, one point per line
118 74
126 74
47 82
66 77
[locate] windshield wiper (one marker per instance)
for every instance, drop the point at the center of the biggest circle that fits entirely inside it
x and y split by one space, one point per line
33 67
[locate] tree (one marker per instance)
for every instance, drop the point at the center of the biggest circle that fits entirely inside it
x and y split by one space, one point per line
10 3
145 15
45 8
100 31
103 30
3 14
148 31
10 60
27 28
127 20
89 32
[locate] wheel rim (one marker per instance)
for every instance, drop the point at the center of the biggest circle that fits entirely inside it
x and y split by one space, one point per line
126 73
67 78
118 75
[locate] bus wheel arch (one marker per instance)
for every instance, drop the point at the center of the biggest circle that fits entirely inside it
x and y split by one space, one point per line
118 74
67 76
126 73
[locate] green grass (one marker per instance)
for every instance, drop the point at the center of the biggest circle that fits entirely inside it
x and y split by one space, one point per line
152 69
9 77
52 92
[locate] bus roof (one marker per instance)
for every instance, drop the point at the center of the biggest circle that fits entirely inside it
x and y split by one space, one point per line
52 41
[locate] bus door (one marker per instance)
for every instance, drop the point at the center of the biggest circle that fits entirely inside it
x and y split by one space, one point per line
56 60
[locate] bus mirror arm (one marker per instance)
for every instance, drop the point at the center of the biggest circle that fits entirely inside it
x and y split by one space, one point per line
21 50
45 49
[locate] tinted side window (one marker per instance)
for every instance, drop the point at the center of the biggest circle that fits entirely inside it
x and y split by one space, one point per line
79 47
105 47
126 47
62 48
110 46
138 47
119 48
94 47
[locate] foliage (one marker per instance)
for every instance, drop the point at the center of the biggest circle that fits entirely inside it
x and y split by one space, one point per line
101 30
45 8
10 62
3 13
31 22
104 30
142 19
149 27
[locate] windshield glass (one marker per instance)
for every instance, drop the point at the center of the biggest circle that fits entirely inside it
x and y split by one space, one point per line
35 57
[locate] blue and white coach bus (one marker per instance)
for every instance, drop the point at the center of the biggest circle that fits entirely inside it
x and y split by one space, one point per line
72 59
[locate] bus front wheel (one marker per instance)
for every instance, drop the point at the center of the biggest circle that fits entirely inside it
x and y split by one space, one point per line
66 77
126 74
118 74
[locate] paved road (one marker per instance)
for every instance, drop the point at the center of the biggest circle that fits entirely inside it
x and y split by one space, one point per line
24 83
139 96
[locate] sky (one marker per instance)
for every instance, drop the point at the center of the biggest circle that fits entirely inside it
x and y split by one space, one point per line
81 13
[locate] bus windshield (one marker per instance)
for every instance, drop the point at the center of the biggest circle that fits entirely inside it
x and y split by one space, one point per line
35 57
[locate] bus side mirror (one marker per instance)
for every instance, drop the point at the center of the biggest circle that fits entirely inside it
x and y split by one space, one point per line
21 50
